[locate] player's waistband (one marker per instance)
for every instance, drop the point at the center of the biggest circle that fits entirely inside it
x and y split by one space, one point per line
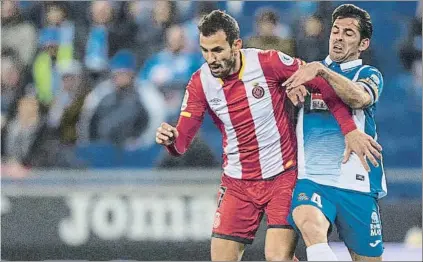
292 168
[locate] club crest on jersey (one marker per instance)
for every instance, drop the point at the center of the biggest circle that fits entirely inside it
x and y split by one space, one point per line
258 91
302 197
375 218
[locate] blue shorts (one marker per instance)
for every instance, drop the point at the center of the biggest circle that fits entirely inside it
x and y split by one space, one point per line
356 215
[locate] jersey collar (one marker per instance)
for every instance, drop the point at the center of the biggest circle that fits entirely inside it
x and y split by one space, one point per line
238 74
344 66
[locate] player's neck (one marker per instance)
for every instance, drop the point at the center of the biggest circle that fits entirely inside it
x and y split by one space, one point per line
346 60
238 64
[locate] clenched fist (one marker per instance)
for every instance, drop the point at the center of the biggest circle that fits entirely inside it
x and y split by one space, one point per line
166 134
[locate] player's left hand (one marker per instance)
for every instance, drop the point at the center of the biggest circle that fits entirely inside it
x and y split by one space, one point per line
364 146
297 95
304 74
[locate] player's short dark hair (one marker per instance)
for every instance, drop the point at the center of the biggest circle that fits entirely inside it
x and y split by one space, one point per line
352 11
219 20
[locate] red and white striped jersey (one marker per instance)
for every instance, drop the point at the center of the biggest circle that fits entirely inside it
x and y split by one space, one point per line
249 109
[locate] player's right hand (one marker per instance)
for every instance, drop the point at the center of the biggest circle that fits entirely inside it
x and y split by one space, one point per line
364 146
166 134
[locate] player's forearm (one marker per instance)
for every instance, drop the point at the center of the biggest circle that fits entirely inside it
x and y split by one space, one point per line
339 109
351 93
179 146
187 128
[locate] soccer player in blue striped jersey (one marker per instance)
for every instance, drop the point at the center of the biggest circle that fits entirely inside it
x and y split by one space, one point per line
333 186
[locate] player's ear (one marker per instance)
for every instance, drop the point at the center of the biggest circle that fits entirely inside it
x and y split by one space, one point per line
364 44
237 44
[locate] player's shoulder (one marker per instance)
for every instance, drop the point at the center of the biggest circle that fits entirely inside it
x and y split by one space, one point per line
201 78
371 72
271 56
195 81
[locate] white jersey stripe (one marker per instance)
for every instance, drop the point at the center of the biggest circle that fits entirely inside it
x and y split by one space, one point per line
217 101
261 108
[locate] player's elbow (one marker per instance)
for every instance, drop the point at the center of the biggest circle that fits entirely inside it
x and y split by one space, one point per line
358 102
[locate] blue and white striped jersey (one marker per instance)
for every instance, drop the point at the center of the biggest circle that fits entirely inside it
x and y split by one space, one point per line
321 144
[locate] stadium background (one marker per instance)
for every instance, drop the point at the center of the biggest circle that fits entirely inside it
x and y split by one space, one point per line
81 176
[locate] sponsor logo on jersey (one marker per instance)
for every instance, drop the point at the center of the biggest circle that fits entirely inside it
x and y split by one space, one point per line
359 177
317 102
215 101
302 197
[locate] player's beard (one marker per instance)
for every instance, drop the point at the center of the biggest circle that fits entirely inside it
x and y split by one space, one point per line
227 65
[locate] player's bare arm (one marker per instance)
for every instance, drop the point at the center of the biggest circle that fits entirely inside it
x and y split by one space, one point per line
351 93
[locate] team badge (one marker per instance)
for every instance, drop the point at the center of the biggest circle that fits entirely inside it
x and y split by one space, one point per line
375 218
258 91
216 222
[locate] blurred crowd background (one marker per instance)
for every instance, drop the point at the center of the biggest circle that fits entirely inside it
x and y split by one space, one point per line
86 84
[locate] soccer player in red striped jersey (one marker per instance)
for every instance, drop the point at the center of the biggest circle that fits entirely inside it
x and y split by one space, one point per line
241 90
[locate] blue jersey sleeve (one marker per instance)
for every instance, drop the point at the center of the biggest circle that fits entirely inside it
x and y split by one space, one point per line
372 81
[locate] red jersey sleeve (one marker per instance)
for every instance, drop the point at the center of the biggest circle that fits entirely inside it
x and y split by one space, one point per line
193 109
284 66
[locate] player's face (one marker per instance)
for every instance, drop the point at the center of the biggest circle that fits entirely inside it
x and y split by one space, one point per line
219 54
344 43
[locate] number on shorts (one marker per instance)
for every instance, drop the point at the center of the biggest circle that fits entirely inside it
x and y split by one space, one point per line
222 191
316 199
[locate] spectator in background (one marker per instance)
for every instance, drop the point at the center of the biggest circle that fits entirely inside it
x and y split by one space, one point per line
12 85
28 142
170 70
57 14
405 140
121 111
44 69
190 27
65 110
108 32
140 11
22 136
271 34
163 15
311 41
411 57
17 33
